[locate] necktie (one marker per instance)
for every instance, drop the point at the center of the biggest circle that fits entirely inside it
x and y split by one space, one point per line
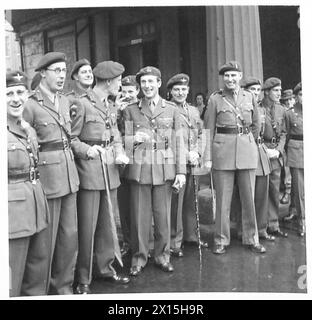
152 106
235 96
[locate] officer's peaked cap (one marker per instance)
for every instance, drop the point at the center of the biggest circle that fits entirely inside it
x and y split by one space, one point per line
250 81
297 88
287 94
129 81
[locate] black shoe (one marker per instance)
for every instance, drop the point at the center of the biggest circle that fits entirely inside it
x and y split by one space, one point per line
166 266
83 289
176 253
135 271
203 244
285 199
117 279
150 253
278 233
257 248
219 249
267 237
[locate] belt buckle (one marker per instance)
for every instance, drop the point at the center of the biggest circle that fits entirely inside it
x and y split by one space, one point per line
259 140
273 140
32 175
240 130
106 142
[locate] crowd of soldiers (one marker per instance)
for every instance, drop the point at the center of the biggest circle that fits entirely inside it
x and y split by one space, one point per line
78 162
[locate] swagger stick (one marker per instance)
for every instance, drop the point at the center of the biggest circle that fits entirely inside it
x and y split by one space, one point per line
197 215
111 214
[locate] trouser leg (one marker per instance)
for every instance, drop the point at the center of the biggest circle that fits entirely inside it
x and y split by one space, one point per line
104 235
36 276
298 188
246 185
66 247
88 202
161 212
274 182
224 182
123 195
18 249
141 220
176 219
188 210
262 203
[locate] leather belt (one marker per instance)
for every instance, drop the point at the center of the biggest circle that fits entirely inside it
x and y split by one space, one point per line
236 130
161 145
102 143
259 141
54 146
32 176
296 137
274 140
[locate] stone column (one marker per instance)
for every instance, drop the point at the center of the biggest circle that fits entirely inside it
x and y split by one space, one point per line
233 33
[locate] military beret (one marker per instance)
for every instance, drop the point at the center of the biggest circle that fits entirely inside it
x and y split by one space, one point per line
147 71
271 83
250 81
16 78
77 65
129 81
287 94
297 88
108 70
50 58
181 79
230 66
35 81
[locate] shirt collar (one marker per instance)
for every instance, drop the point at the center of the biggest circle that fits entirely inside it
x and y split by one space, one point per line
48 93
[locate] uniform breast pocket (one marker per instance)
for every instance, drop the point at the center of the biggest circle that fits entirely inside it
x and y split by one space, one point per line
45 127
247 110
225 115
94 126
17 157
50 171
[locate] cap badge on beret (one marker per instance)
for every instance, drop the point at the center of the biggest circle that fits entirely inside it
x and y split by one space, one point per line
18 77
148 69
183 80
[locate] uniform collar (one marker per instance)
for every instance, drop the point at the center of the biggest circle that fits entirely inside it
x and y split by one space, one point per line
48 93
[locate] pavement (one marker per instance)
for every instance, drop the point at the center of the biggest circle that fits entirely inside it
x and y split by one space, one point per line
280 269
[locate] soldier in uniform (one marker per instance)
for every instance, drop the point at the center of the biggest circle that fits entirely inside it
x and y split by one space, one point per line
83 79
287 100
263 169
232 119
48 112
130 90
183 216
274 136
27 205
97 147
155 147
294 126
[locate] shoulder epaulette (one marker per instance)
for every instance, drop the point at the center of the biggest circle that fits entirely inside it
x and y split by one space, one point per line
220 91
171 103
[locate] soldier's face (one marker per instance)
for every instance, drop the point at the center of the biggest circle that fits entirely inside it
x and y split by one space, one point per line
274 94
199 100
256 90
85 76
54 76
16 97
231 79
114 85
150 86
179 93
130 93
